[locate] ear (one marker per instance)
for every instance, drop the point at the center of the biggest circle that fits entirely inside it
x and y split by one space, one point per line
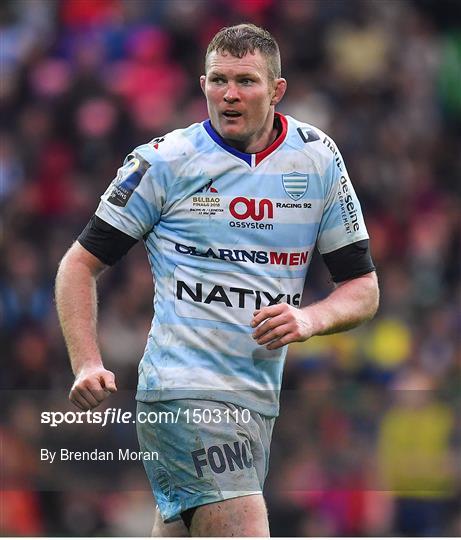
280 87
202 82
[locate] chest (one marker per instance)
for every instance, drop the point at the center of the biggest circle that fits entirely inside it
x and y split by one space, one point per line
275 205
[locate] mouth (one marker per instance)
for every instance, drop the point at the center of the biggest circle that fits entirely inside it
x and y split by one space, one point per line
230 113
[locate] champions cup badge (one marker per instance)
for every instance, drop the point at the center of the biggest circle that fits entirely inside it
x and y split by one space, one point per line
295 184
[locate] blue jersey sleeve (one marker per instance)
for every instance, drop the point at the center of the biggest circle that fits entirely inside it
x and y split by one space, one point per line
134 200
342 222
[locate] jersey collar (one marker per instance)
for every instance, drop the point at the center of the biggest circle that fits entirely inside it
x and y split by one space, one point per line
251 159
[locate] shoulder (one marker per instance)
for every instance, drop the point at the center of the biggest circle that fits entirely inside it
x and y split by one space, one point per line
313 142
172 149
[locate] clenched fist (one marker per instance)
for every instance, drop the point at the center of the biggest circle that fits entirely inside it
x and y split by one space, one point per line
91 387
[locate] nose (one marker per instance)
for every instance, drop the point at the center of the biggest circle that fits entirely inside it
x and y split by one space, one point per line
231 95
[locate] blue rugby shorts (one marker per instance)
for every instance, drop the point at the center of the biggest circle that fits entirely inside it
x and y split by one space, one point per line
208 451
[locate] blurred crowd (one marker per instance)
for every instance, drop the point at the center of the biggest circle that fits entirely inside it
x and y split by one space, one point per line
369 437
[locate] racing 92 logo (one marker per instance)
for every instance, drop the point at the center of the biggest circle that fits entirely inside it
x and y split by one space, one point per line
243 208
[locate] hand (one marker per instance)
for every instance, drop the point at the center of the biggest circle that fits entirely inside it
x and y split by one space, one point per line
283 324
91 387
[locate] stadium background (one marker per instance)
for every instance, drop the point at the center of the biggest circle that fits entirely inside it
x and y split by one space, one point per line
369 438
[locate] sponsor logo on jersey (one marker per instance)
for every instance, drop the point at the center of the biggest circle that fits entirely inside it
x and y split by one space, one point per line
330 145
222 457
128 178
243 209
208 188
250 225
204 205
295 184
283 258
349 213
293 205
232 297
155 142
308 134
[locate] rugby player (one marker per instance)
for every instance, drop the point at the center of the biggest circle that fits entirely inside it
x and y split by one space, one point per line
230 211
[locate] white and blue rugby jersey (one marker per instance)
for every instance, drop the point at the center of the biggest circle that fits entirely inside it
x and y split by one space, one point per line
227 233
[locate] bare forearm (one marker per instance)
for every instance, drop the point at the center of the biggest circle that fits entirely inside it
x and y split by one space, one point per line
76 303
350 304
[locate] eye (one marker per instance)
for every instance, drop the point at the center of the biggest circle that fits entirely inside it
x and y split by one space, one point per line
246 82
218 80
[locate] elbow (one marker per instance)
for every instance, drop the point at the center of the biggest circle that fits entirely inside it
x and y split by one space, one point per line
372 295
374 304
78 259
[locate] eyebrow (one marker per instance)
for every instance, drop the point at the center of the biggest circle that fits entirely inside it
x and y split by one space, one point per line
239 75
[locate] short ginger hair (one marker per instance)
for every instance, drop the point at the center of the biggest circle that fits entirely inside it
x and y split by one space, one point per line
245 38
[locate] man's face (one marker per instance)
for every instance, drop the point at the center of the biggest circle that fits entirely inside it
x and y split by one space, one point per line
240 96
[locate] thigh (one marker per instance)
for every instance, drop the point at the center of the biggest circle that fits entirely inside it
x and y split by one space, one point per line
241 516
168 530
